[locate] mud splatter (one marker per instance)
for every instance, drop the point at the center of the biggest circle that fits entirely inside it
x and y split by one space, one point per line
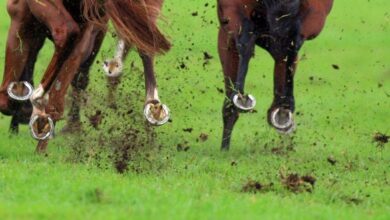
296 183
253 186
380 139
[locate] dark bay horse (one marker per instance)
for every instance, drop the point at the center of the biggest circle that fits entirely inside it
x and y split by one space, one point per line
280 27
76 34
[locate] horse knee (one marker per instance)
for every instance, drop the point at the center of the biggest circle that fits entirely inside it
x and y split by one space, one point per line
62 33
15 8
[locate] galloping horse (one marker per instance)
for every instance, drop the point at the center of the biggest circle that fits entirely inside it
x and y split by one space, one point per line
76 35
278 26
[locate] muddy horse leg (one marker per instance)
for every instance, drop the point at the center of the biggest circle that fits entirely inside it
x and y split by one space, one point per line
62 27
55 96
155 112
113 69
79 85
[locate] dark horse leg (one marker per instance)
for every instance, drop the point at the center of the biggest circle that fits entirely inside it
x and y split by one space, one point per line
307 25
79 85
81 51
236 43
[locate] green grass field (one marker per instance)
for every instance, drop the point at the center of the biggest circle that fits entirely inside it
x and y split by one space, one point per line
183 176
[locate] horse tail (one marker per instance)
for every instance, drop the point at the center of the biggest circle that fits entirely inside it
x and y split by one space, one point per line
134 22
282 15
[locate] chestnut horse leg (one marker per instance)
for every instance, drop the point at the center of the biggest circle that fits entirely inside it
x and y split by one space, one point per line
79 85
62 28
20 43
55 106
23 110
155 112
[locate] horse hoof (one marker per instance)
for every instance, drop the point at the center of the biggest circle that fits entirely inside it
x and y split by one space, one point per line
20 91
156 114
41 127
245 103
113 68
282 119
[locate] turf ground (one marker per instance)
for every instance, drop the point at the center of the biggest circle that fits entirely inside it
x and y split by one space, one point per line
185 176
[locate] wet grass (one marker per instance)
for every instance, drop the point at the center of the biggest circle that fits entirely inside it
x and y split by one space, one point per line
342 95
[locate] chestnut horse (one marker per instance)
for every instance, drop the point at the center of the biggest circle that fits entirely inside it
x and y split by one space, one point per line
27 34
76 35
155 112
278 26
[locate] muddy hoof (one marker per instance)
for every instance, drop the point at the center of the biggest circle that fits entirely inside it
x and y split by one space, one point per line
113 68
156 114
244 102
283 120
41 127
20 91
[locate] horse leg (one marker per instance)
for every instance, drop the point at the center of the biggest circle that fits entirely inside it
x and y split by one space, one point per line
79 85
155 112
23 110
245 43
55 96
280 114
62 27
113 69
230 60
20 40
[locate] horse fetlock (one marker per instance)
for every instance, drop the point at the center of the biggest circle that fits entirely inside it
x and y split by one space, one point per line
156 113
39 98
244 102
20 91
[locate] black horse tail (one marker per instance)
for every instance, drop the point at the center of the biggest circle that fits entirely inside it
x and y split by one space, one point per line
282 16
